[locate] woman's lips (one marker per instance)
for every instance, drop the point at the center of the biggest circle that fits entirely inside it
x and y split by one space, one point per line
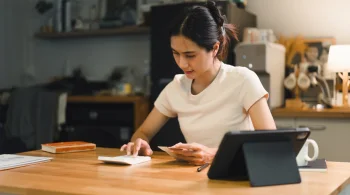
188 72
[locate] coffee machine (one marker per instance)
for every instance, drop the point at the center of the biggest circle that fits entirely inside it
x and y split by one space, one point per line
267 60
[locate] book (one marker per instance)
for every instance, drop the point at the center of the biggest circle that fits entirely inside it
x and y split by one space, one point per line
65 147
9 161
319 165
125 159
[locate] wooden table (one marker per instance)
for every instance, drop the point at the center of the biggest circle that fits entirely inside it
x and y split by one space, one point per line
82 173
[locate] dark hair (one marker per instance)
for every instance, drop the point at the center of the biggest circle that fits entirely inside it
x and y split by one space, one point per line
205 25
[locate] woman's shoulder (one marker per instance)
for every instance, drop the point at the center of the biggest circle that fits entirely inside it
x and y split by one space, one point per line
237 72
181 80
178 82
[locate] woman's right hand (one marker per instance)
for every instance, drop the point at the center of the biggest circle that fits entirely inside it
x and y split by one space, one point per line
139 147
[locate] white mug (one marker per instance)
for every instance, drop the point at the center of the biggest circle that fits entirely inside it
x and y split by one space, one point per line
303 157
290 81
303 81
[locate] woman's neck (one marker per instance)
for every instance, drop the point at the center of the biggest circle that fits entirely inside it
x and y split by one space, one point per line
205 79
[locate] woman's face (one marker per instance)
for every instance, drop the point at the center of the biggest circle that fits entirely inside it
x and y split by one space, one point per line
192 59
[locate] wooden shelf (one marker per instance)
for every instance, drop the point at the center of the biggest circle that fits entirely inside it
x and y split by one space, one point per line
128 30
336 112
106 99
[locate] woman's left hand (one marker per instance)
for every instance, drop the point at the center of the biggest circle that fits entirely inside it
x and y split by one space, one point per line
194 153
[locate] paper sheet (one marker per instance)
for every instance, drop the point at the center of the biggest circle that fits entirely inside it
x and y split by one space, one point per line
168 151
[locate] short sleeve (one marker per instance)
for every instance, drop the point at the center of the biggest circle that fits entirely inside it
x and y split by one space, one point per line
162 102
252 89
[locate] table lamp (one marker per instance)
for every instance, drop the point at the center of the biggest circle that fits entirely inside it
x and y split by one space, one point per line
339 61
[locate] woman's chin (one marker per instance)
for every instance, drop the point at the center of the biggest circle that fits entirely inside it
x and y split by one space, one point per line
190 75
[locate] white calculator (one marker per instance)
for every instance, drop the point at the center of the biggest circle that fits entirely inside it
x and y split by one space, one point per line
126 159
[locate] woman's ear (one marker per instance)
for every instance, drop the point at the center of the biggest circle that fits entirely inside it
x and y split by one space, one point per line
216 48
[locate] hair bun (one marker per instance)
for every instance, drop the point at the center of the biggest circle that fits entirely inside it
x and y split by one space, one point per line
215 12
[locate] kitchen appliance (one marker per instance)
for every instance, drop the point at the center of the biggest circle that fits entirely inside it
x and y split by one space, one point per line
267 60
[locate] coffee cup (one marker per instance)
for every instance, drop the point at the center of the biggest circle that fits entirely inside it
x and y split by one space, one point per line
303 81
290 81
303 157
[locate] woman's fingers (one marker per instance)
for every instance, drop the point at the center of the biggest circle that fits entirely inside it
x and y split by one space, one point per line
129 148
194 157
123 147
192 146
189 153
140 146
137 146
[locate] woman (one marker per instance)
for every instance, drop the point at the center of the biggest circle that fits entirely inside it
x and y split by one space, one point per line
211 97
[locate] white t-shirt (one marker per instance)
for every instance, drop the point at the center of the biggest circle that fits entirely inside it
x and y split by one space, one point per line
205 118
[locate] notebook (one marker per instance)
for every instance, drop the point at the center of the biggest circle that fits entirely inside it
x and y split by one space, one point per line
319 165
125 159
65 147
9 161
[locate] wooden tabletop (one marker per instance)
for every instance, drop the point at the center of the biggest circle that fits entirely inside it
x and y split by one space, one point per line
312 113
82 173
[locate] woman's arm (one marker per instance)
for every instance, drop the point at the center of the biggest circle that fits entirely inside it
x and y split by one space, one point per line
261 115
154 121
140 140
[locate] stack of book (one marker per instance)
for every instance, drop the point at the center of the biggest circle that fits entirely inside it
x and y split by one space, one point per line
9 161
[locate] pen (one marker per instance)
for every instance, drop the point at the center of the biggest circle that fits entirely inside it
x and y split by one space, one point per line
202 167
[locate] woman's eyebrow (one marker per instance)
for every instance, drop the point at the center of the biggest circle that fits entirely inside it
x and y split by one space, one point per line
186 52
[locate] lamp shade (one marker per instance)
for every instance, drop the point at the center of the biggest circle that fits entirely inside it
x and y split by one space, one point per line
339 58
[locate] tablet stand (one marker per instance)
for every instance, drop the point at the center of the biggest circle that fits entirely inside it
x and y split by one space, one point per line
270 163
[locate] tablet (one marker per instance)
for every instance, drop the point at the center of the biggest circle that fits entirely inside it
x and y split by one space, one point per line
257 155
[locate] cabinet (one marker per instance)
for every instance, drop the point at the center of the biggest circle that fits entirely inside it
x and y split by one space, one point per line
107 121
331 135
285 123
330 131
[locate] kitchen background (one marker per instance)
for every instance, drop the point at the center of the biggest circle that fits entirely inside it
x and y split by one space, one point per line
26 59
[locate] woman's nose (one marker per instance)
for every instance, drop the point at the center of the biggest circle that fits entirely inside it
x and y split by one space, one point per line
183 63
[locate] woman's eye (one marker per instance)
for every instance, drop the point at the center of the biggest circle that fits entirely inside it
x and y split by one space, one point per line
190 56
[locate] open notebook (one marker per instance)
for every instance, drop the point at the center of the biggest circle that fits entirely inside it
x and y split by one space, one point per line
9 161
